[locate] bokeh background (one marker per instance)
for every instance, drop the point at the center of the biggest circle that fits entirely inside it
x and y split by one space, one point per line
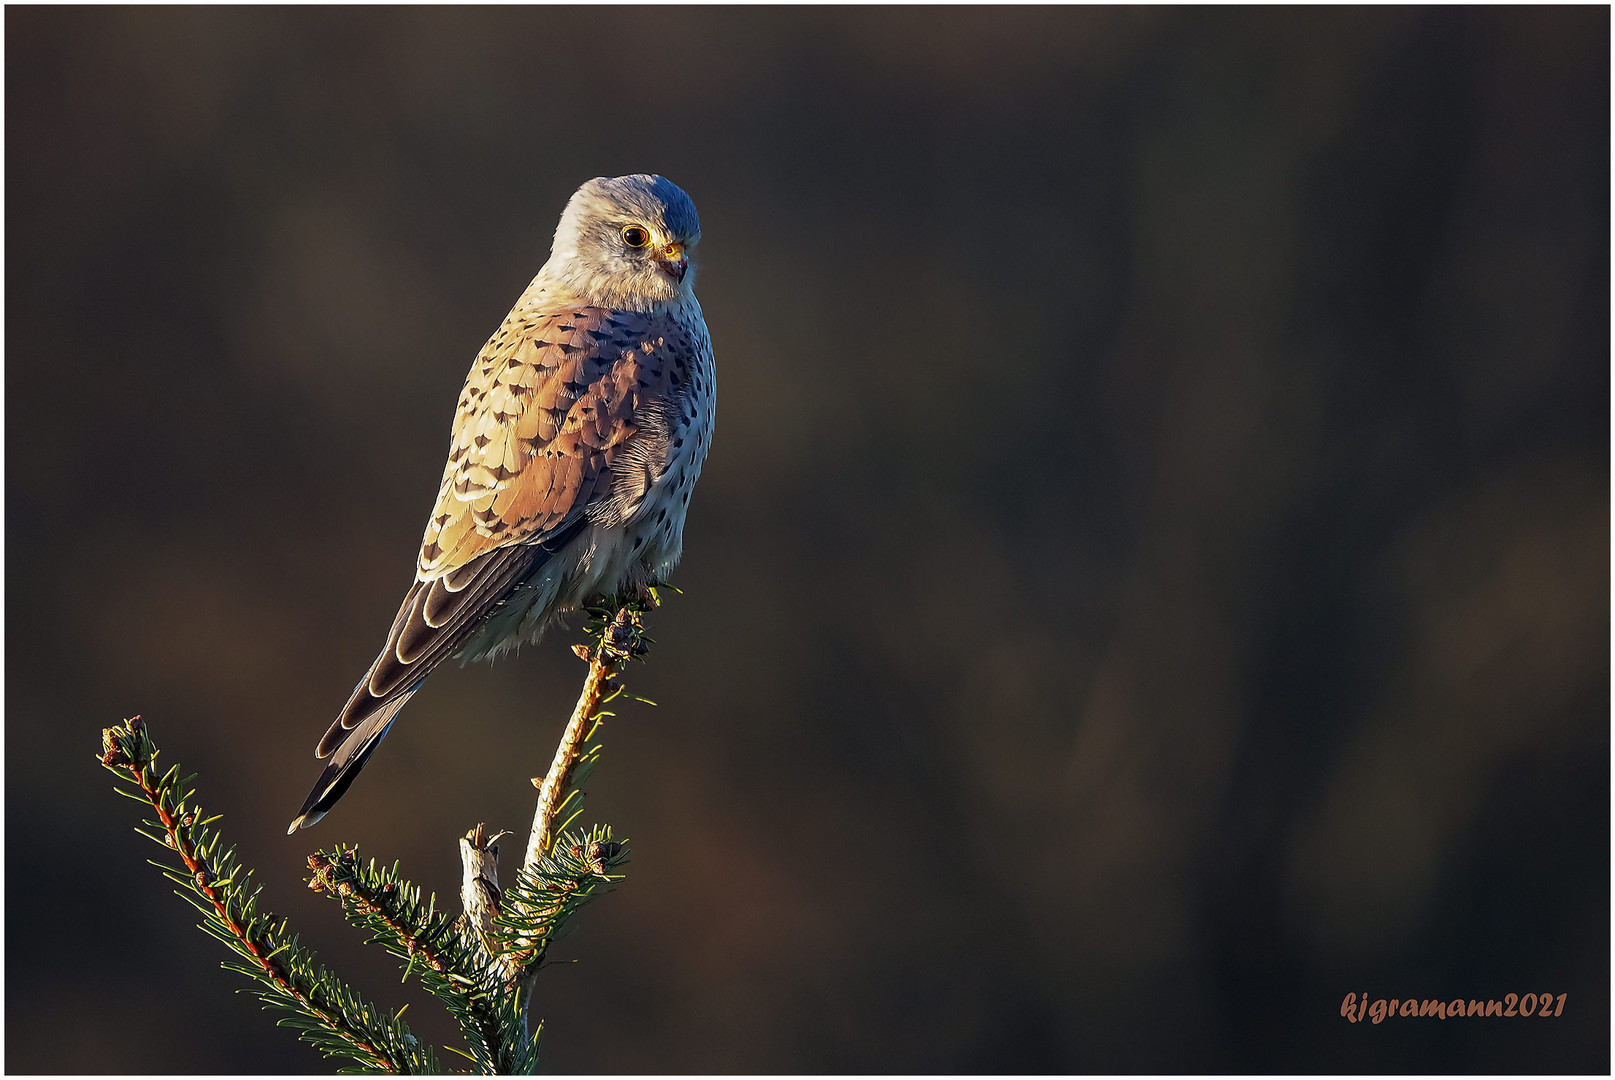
1151 578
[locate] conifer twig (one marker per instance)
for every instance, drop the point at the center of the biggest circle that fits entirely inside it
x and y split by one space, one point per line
553 883
581 864
482 967
456 968
332 1017
620 640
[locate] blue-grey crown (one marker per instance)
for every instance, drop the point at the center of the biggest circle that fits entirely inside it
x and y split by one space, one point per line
652 198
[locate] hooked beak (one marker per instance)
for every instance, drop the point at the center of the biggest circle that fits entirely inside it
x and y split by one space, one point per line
673 260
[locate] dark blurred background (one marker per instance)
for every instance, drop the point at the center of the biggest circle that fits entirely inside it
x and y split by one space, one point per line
1151 578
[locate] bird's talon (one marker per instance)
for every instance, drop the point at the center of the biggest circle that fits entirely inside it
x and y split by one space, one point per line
643 595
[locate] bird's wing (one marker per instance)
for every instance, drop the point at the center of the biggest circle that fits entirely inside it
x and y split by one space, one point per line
551 403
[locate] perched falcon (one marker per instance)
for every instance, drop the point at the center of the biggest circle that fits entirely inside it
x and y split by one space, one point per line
577 440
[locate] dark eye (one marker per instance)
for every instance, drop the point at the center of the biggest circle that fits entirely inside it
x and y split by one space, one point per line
635 236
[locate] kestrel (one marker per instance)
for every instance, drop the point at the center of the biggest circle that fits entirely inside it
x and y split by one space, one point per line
576 443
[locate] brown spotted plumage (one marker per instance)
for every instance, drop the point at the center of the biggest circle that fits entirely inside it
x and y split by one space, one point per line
576 442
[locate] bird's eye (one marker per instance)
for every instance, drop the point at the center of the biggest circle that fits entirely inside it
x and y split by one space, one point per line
635 236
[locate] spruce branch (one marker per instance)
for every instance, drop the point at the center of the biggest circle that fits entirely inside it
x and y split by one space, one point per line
453 966
483 965
618 635
326 1012
580 866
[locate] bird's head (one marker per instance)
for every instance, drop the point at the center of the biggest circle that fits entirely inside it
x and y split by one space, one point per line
626 242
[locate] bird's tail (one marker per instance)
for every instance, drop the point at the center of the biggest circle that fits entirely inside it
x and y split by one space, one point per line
347 760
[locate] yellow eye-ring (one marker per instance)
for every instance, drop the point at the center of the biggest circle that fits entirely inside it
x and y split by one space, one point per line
635 236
